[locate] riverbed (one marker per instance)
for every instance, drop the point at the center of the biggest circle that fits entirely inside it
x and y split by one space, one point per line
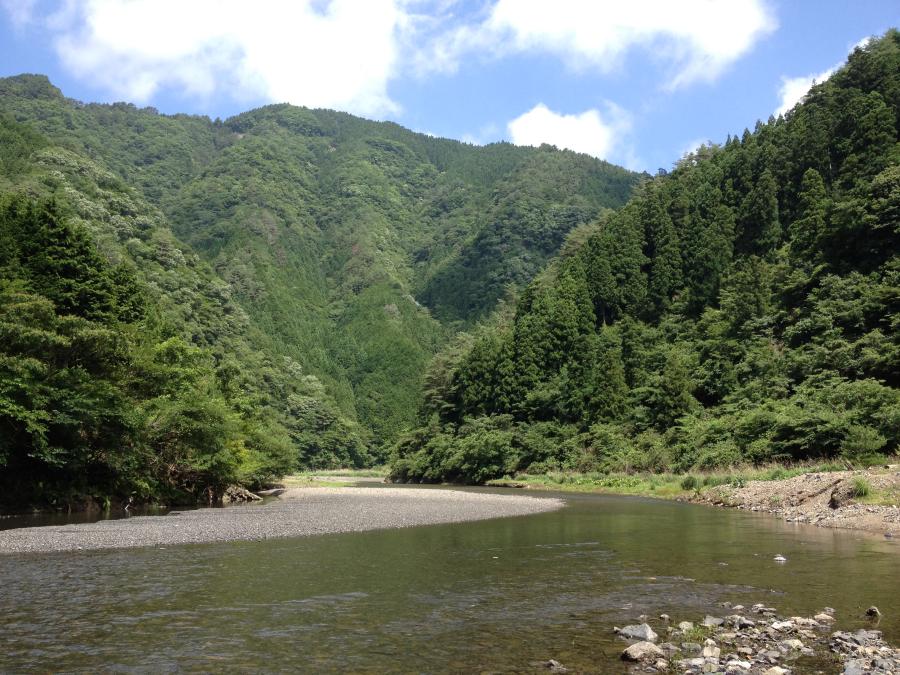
295 513
502 595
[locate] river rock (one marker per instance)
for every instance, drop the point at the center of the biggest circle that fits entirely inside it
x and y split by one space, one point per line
685 626
272 492
824 618
713 622
638 632
711 650
770 646
237 494
642 651
841 495
739 621
555 666
669 649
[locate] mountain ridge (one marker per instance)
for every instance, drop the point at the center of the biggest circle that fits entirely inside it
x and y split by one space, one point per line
301 238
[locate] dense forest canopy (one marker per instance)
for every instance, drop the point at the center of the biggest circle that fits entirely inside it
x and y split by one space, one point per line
743 308
190 303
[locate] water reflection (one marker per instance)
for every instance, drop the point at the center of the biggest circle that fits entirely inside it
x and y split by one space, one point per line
494 595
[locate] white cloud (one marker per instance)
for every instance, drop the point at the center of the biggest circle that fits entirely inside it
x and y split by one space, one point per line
699 38
693 146
586 132
862 44
793 89
339 54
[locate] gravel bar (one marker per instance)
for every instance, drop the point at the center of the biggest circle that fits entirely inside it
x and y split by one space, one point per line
297 513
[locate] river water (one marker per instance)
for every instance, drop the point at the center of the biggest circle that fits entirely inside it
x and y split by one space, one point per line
497 596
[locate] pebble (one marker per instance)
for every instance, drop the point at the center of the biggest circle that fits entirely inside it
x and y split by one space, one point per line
299 512
770 647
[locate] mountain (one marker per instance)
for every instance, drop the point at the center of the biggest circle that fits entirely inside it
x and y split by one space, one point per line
291 273
743 308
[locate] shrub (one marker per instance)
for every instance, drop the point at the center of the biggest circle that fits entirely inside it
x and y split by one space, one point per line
861 488
861 442
690 482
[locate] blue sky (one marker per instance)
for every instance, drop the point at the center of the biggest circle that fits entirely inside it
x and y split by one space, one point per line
636 82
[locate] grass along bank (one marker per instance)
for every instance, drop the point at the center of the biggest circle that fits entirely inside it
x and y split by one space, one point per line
828 495
663 485
334 477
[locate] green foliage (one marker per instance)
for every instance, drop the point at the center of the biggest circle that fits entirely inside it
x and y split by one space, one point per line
92 399
228 301
690 482
861 488
743 308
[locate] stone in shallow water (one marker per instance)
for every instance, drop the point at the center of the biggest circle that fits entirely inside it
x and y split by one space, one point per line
555 666
642 651
685 626
711 651
638 632
713 622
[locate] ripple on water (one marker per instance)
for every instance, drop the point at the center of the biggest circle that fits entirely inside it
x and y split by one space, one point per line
493 595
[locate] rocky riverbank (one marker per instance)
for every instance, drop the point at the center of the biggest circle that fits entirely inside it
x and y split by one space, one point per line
295 513
860 500
756 641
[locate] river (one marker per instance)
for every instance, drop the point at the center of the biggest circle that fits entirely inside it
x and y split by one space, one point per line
497 595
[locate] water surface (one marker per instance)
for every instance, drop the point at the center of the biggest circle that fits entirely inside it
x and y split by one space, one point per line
495 595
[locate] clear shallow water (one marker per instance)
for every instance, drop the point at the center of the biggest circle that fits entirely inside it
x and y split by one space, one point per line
486 596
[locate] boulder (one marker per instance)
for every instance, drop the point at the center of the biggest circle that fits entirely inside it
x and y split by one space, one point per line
272 492
237 494
642 651
842 494
638 632
555 666
711 650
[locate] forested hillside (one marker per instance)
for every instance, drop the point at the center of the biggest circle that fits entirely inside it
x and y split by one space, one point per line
190 303
743 308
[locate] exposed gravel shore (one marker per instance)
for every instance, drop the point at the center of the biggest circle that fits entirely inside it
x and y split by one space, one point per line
824 499
755 642
296 513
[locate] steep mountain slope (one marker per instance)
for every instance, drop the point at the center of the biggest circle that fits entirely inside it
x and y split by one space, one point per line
330 230
332 226
743 308
126 367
